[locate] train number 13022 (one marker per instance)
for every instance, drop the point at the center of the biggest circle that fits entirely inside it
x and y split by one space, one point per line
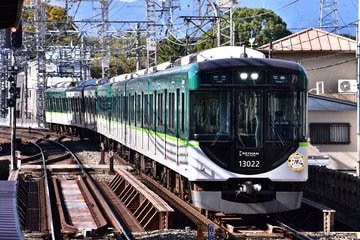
249 164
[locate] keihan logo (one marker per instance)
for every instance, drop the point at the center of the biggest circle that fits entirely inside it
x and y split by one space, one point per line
248 154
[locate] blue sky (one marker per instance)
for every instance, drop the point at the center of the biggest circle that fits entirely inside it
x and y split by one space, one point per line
298 14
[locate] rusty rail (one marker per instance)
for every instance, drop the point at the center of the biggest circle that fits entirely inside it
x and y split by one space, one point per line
152 212
77 209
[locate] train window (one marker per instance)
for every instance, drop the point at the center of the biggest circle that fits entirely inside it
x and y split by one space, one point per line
286 115
249 118
210 114
282 78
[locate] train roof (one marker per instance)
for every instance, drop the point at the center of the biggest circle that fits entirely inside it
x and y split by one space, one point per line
202 56
261 63
55 90
93 82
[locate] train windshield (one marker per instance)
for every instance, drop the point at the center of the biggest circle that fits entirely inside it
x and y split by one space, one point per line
249 118
286 116
211 114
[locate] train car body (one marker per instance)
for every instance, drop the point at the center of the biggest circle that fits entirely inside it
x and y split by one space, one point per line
216 123
90 114
57 106
76 102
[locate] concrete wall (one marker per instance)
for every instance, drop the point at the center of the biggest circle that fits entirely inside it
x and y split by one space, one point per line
341 156
324 66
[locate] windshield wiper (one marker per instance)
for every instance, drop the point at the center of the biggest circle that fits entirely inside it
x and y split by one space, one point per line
278 134
218 133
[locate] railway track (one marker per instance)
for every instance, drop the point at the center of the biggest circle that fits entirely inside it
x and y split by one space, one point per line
66 181
71 210
224 224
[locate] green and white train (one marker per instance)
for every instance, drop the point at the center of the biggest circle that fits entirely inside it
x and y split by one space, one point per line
205 126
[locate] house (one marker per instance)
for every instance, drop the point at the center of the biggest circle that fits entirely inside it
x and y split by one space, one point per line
328 58
332 131
330 61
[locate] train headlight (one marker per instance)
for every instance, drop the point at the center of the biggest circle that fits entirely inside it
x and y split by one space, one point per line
254 76
249 188
244 76
257 187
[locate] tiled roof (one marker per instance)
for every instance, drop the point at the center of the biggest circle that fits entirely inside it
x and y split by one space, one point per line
312 39
322 103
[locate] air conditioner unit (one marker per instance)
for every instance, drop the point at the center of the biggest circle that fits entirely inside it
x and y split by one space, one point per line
347 86
320 87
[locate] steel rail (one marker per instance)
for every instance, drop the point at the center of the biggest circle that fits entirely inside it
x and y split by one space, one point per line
97 192
47 191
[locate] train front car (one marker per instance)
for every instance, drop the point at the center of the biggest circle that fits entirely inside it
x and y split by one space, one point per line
248 120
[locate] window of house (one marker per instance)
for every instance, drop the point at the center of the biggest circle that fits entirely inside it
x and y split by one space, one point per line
329 133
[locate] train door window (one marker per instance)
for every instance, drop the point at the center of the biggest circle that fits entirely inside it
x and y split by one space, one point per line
77 102
125 111
120 108
98 99
76 105
138 110
71 105
182 112
54 103
114 108
210 114
132 110
249 118
145 110
148 110
93 104
63 105
171 116
81 107
160 109
151 109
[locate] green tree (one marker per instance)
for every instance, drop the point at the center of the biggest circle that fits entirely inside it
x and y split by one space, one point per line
260 24
121 60
56 21
170 47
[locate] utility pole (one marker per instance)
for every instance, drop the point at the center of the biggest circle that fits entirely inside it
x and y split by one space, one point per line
329 15
12 108
14 42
